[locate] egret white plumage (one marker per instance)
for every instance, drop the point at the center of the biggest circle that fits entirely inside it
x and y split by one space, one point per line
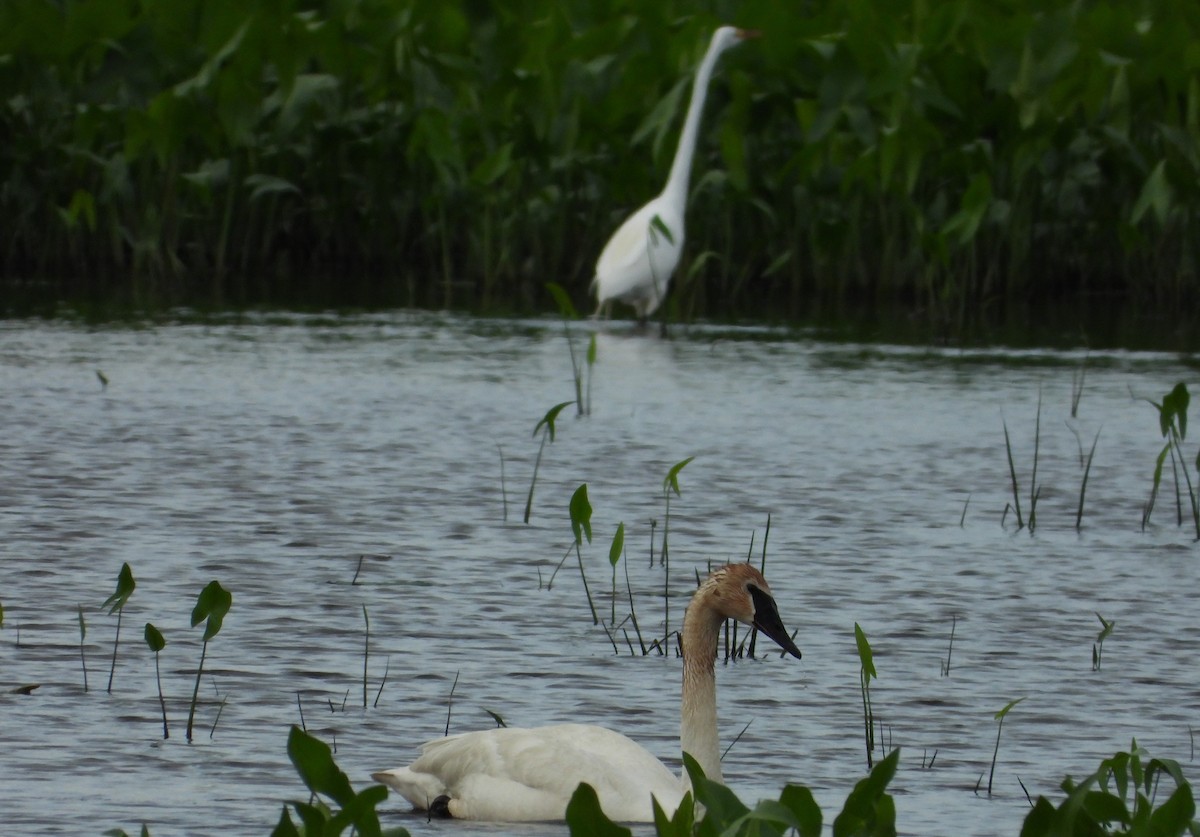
512 774
636 264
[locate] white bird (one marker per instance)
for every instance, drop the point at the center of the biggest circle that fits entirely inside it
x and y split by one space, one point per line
635 266
512 774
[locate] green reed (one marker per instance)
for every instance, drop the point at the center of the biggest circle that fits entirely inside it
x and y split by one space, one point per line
581 526
1172 421
999 717
614 558
1106 629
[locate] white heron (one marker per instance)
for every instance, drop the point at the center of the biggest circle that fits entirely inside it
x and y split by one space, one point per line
636 264
514 775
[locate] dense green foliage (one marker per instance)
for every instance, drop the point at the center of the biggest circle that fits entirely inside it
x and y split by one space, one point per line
956 155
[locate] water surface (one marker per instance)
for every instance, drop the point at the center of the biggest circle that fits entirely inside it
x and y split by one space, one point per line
273 454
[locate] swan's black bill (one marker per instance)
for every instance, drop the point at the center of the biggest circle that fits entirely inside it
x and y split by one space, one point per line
766 619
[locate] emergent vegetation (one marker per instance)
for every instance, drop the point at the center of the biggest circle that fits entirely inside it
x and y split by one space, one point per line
960 156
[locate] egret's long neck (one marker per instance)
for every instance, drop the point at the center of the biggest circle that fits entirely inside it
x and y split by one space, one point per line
681 169
698 713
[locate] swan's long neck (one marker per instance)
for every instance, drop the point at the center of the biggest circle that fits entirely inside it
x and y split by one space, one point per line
698 713
681 169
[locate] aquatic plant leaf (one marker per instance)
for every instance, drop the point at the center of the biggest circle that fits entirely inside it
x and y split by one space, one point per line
804 808
154 638
125 587
869 808
591 351
285 827
581 514
262 185
671 483
563 300
864 652
496 717
680 824
82 624
212 604
314 762
659 226
618 545
1155 195
585 818
721 806
548 419
999 716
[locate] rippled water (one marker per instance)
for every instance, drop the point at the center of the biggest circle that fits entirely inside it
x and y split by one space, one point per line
271 455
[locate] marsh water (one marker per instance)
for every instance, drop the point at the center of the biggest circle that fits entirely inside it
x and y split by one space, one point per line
273 454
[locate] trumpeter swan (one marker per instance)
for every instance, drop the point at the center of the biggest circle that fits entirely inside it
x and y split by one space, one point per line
512 774
636 264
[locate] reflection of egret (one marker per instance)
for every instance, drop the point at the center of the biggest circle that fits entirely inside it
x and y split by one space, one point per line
636 264
530 774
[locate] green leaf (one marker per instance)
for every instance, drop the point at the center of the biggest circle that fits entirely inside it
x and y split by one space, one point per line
618 545
285 827
495 166
586 819
548 419
864 652
591 351
680 824
1155 195
999 716
563 300
658 225
869 809
125 586
314 762
262 185
671 483
804 808
581 514
154 638
212 604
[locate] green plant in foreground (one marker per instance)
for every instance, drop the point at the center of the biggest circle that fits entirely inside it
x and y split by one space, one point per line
713 809
212 605
314 762
999 726
865 673
546 426
156 642
1172 421
1120 798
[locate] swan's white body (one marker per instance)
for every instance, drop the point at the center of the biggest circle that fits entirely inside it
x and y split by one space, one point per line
512 774
635 266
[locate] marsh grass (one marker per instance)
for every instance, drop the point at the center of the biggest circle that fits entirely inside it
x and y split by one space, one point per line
387 667
1035 490
614 558
546 427
945 664
212 605
116 604
670 484
156 643
1087 470
450 701
579 365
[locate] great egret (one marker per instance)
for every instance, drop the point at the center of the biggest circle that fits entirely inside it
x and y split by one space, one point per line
512 774
635 266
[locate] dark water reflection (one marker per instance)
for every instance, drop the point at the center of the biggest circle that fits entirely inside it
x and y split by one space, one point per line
272 455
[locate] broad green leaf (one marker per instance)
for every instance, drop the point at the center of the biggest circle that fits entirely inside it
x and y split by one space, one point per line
618 545
212 604
804 808
1155 195
154 638
565 307
125 587
314 762
262 185
581 514
586 819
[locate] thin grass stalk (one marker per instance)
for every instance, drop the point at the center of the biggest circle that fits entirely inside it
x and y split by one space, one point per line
366 651
82 655
387 666
1083 485
196 691
1034 490
162 701
586 589
1012 471
450 701
116 639
633 611
536 465
995 755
